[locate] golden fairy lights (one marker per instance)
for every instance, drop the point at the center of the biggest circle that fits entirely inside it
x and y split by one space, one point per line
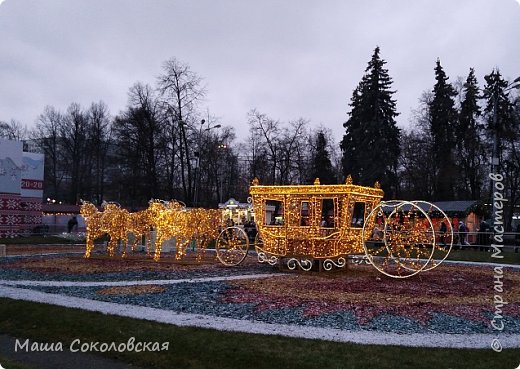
113 221
311 221
302 224
299 225
412 243
168 219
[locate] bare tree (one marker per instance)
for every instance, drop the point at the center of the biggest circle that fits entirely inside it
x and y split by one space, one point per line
47 135
13 130
291 146
73 130
99 140
255 152
181 91
222 166
416 166
282 146
265 136
138 136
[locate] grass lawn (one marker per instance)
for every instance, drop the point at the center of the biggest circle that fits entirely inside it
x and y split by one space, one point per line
475 255
204 348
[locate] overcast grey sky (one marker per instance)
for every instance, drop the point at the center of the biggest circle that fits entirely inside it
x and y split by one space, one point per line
288 59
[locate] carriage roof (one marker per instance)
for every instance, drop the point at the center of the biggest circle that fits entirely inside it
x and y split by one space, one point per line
315 190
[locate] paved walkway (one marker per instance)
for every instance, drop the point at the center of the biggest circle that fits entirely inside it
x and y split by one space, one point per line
237 325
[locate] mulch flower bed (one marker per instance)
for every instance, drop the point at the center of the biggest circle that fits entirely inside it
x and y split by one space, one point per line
104 268
448 299
24 250
462 292
131 290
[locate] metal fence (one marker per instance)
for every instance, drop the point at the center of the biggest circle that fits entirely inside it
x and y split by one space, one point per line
483 240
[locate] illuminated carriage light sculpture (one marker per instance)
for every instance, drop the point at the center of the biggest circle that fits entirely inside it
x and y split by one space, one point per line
296 224
305 223
232 246
169 219
299 224
113 221
409 239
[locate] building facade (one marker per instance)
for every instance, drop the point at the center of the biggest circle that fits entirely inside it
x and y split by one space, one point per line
21 189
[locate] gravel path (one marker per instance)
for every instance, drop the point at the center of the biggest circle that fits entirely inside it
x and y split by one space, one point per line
236 325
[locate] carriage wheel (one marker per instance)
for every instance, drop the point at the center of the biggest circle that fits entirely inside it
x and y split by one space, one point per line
259 243
444 244
408 239
232 245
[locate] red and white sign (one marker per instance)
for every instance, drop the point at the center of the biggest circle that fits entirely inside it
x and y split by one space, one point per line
32 184
21 189
31 191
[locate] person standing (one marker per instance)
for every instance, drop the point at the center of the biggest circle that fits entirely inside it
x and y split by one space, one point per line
483 235
443 231
73 222
463 230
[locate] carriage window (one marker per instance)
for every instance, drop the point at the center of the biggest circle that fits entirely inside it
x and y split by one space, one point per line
327 213
273 212
304 214
358 215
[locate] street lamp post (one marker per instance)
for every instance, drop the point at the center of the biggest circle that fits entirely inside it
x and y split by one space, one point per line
220 174
198 155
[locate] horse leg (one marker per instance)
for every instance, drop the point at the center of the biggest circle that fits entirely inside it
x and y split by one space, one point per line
124 244
201 248
112 247
137 237
158 246
88 248
134 245
181 250
148 241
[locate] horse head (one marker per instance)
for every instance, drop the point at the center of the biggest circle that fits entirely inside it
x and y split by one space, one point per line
87 209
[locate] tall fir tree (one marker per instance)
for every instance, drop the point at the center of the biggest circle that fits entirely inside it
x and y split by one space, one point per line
500 130
370 145
443 123
321 166
470 145
503 132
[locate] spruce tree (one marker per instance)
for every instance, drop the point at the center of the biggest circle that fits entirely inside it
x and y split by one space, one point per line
503 128
470 148
503 131
321 166
443 125
371 143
